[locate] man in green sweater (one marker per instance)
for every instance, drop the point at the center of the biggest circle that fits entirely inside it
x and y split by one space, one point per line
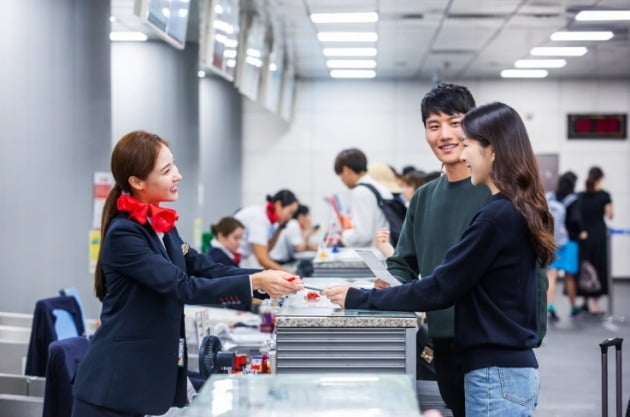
438 214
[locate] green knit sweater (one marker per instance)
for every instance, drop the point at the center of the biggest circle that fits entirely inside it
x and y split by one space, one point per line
438 214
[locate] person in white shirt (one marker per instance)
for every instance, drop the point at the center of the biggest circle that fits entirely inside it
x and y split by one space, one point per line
294 237
366 216
263 224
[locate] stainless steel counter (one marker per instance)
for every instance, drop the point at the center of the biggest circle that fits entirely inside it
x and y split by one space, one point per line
313 337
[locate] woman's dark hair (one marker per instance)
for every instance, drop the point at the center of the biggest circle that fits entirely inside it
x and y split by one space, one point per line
352 158
409 168
595 174
285 197
226 226
432 175
301 210
566 185
446 99
515 170
134 155
414 179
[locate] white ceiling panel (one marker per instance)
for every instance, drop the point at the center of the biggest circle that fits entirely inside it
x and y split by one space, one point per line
465 34
420 38
480 7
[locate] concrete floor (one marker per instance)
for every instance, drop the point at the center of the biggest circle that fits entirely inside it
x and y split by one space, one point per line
570 361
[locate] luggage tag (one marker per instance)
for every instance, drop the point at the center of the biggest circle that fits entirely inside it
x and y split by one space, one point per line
180 353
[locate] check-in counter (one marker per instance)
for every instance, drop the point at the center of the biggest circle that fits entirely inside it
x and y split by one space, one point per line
316 337
375 395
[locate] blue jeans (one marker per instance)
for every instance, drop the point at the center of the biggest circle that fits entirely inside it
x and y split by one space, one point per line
500 392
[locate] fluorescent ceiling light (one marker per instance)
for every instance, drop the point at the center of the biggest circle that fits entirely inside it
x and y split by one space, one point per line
344 17
347 36
523 73
540 63
353 74
127 37
590 15
559 51
201 73
351 63
582 36
350 51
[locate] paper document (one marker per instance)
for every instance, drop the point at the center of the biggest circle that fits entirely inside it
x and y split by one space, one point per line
376 266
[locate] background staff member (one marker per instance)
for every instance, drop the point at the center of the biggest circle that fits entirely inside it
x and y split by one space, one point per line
228 235
294 237
136 361
263 225
491 274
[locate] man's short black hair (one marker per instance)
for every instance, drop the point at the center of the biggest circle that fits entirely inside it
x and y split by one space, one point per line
446 99
302 210
352 158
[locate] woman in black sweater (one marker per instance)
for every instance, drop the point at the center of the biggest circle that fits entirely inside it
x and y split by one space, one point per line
490 275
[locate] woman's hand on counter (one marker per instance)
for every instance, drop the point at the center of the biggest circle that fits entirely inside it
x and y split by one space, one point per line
380 284
337 294
276 283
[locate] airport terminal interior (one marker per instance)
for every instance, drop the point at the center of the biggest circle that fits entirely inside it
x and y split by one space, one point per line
274 112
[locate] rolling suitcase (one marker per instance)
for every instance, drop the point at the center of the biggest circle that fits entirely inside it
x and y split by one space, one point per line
616 342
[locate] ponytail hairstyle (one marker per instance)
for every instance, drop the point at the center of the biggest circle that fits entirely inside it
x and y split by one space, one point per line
226 226
285 197
595 174
515 170
133 156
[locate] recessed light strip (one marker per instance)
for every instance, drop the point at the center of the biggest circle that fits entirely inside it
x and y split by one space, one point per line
347 36
602 15
353 74
345 52
582 36
540 63
351 63
559 51
524 73
344 17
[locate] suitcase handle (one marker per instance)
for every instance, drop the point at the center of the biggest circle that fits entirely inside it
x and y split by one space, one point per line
613 341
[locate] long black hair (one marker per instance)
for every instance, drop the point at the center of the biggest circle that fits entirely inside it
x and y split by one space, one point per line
284 196
515 170
595 174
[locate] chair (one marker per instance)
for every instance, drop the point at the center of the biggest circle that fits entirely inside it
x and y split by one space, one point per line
64 357
72 291
53 318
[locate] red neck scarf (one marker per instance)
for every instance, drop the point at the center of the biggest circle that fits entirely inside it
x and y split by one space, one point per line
271 213
162 219
237 258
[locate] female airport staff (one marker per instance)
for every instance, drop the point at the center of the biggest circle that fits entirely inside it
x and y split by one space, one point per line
263 225
136 361
490 275
228 235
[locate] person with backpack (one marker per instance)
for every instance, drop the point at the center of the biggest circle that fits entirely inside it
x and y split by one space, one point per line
370 202
568 230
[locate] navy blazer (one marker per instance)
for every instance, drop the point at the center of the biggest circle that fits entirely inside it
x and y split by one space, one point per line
219 256
131 363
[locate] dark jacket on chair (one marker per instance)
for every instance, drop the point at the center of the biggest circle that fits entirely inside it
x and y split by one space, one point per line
43 330
132 360
63 360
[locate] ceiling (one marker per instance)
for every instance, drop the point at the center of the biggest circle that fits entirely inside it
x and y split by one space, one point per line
442 39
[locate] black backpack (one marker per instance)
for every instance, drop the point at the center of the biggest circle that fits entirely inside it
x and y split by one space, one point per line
394 211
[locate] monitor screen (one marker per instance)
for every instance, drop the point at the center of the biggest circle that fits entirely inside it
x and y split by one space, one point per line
273 74
168 18
252 55
220 37
288 89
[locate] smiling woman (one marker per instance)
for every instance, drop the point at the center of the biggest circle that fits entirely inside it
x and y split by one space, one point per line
136 361
491 273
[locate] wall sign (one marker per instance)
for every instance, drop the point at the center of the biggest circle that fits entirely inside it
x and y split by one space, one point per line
597 126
